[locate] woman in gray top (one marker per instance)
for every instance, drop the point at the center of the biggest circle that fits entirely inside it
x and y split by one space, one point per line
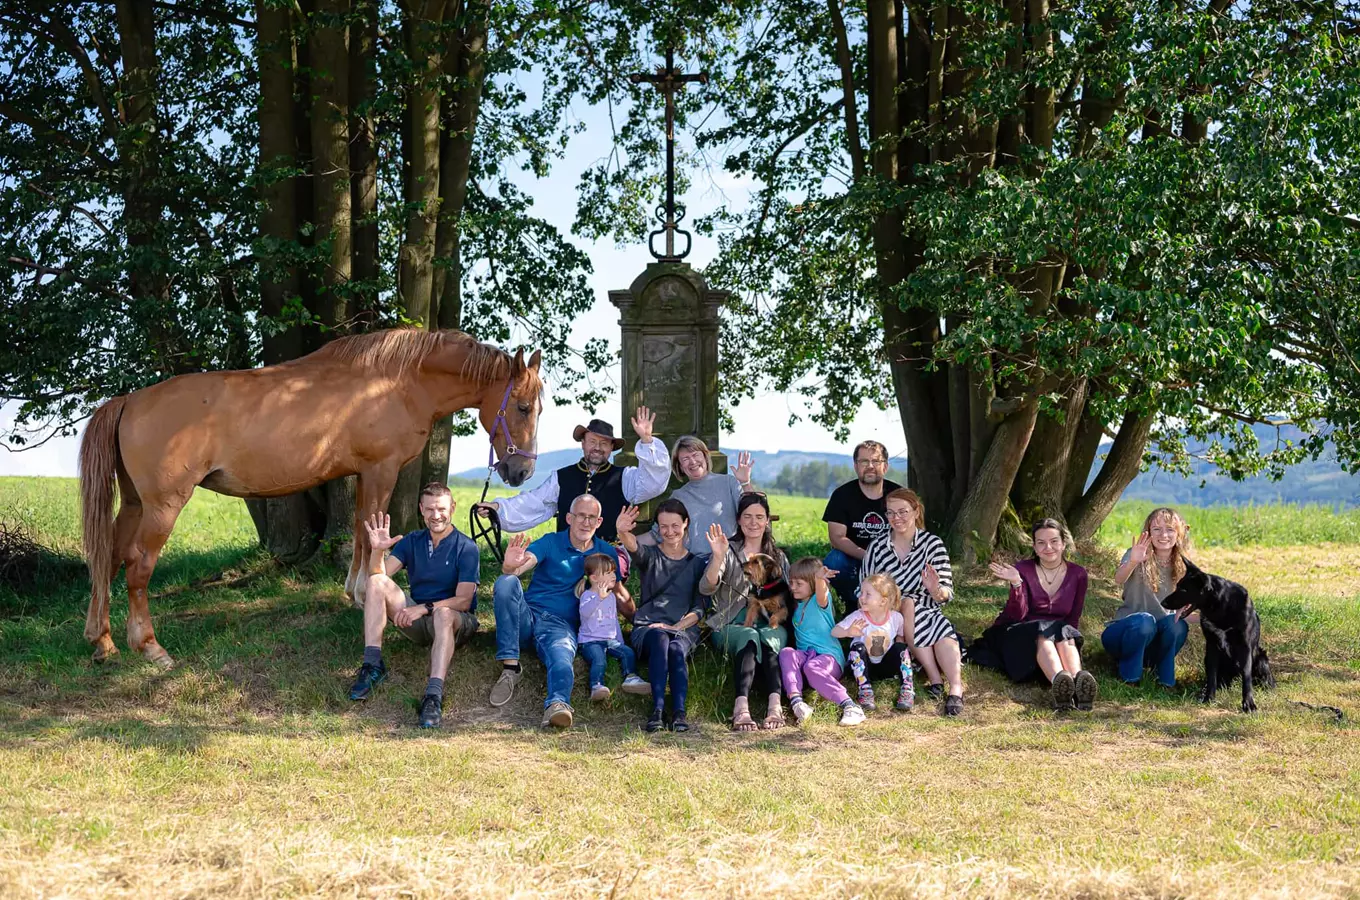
709 496
1142 634
666 624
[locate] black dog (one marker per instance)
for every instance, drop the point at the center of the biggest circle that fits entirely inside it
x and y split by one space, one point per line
1232 633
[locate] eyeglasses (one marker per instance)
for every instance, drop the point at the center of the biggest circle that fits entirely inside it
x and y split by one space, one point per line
754 494
586 519
871 462
900 513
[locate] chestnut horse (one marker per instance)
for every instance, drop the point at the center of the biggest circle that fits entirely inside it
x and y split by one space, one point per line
361 405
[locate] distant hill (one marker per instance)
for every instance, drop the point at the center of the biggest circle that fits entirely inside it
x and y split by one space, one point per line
1322 481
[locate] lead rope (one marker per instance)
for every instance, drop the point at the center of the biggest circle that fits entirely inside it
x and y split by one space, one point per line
487 530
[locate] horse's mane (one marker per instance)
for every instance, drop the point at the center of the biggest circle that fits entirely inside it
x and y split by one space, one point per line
401 349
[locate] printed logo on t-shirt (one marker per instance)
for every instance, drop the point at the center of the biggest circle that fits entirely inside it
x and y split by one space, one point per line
871 526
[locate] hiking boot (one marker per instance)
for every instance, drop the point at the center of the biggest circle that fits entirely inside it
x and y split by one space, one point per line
953 705
801 711
1084 690
431 711
368 677
1062 690
654 721
599 692
558 715
504 688
679 723
634 684
851 716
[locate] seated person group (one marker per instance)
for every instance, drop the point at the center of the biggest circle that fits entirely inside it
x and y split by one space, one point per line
710 555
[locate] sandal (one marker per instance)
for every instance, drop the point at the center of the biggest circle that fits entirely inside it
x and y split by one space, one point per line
773 721
679 723
744 723
653 721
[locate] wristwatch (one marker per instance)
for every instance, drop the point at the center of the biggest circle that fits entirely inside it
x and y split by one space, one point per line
429 606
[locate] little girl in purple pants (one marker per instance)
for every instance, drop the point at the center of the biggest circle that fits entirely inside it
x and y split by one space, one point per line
819 658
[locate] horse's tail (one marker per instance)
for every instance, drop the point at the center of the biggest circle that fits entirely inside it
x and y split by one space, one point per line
98 480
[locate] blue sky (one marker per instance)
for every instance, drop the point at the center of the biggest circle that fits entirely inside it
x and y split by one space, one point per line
761 423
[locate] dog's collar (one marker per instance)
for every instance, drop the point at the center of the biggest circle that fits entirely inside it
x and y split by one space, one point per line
771 585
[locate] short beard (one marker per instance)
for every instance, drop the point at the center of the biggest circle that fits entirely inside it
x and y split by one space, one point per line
871 477
596 458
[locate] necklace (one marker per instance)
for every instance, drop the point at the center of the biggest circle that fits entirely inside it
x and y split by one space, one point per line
1050 584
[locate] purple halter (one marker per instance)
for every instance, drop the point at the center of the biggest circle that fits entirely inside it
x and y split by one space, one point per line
499 424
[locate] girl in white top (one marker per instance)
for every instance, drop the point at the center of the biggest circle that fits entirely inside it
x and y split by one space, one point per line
878 646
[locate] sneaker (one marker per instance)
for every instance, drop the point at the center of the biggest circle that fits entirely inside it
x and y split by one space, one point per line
633 684
801 711
654 723
851 716
679 723
953 705
1084 690
599 692
935 691
1062 690
558 715
431 711
504 688
906 699
866 699
368 677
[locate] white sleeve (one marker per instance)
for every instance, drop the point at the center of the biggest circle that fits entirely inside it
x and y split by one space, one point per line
529 508
650 476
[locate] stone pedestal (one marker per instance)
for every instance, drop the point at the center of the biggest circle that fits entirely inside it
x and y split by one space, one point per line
669 319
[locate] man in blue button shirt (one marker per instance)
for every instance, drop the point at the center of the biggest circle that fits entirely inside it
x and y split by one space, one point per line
443 569
547 613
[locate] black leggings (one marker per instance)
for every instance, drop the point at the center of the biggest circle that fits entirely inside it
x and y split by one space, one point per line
764 672
666 655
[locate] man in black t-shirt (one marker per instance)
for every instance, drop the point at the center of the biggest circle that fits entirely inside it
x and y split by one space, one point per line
854 516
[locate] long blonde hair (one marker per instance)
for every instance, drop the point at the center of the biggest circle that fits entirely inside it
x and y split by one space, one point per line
1149 567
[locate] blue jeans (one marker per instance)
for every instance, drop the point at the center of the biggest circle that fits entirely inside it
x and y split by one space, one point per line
596 651
553 638
846 582
1140 641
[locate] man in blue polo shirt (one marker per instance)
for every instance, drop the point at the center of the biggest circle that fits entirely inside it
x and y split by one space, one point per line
547 613
440 612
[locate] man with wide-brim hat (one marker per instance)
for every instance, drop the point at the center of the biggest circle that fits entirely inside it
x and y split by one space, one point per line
614 486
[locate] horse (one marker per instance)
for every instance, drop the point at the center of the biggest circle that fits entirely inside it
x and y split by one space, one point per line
361 405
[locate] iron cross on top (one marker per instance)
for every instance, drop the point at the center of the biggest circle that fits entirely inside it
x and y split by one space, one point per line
668 80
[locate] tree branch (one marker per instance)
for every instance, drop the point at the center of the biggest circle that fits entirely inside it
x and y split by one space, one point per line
15 114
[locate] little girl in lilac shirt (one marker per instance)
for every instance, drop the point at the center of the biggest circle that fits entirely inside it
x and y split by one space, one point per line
600 635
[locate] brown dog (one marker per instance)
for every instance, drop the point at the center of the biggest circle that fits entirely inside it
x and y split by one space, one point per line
770 591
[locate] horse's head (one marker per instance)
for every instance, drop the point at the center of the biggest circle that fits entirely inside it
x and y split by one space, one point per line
514 427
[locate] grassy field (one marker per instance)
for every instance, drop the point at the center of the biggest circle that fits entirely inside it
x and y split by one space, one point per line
244 771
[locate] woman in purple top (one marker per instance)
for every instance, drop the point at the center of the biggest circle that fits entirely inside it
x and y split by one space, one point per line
1038 627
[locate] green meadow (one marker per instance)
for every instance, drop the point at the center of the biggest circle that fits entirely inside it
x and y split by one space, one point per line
244 771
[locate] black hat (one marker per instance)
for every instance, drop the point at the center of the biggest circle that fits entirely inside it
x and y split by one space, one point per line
600 427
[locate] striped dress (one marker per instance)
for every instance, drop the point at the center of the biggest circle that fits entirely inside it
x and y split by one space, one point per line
930 625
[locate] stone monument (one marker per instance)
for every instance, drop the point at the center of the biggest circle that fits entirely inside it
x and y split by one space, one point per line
669 320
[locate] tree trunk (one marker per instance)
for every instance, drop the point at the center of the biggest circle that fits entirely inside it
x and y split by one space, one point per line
1040 483
973 531
363 160
328 46
1085 446
139 155
465 65
288 527
416 259
1121 466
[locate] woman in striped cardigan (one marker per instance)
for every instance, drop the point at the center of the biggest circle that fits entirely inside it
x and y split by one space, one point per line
919 564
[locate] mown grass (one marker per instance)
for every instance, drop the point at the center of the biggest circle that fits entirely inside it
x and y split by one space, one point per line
244 771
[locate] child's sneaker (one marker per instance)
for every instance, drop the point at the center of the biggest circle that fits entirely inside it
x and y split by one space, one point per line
852 715
801 711
866 698
599 692
906 699
633 684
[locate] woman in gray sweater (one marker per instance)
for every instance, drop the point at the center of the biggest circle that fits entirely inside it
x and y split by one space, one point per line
709 496
1142 634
